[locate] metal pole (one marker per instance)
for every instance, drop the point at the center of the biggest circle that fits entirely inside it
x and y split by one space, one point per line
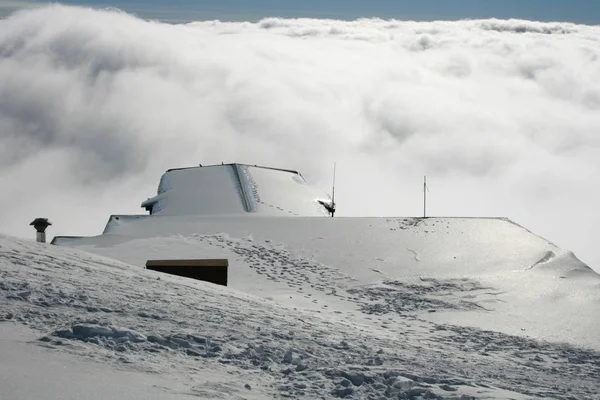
424 196
333 193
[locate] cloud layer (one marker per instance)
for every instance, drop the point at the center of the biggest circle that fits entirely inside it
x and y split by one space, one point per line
502 116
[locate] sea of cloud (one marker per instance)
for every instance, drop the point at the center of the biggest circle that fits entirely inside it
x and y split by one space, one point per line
502 116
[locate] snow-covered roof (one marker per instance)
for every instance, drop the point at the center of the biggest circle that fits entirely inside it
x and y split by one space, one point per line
232 189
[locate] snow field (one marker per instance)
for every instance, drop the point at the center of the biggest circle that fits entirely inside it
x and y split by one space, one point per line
478 267
328 332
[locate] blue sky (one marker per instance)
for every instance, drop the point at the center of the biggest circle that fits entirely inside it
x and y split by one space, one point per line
579 11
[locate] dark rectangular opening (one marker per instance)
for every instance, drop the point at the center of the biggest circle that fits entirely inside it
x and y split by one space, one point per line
207 270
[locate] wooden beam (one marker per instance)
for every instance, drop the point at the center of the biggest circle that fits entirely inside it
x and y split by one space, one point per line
204 262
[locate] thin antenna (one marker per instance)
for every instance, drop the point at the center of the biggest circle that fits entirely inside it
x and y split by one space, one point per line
424 196
332 210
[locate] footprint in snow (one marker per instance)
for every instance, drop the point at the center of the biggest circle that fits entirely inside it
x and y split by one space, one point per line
415 254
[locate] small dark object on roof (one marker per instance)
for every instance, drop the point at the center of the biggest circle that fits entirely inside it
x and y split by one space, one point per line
40 224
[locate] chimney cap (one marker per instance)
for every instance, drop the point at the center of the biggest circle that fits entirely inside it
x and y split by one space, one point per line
40 224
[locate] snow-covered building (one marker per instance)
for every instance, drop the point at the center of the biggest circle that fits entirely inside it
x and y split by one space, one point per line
394 307
227 190
231 189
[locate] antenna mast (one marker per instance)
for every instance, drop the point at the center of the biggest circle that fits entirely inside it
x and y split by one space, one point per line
332 210
425 196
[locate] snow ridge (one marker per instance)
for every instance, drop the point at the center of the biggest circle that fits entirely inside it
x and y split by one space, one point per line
93 306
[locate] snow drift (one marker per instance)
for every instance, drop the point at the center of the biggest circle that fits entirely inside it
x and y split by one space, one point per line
484 265
317 308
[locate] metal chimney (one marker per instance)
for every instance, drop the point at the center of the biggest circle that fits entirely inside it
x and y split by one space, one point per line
40 225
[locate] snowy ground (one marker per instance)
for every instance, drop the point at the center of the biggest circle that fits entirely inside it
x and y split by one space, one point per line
316 308
30 371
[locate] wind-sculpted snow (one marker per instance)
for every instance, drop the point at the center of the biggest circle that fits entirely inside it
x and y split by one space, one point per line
90 306
502 116
458 264
429 295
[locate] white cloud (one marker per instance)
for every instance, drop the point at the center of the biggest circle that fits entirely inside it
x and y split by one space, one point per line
503 116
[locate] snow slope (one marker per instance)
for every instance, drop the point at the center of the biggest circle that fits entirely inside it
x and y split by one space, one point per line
316 308
30 371
472 267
